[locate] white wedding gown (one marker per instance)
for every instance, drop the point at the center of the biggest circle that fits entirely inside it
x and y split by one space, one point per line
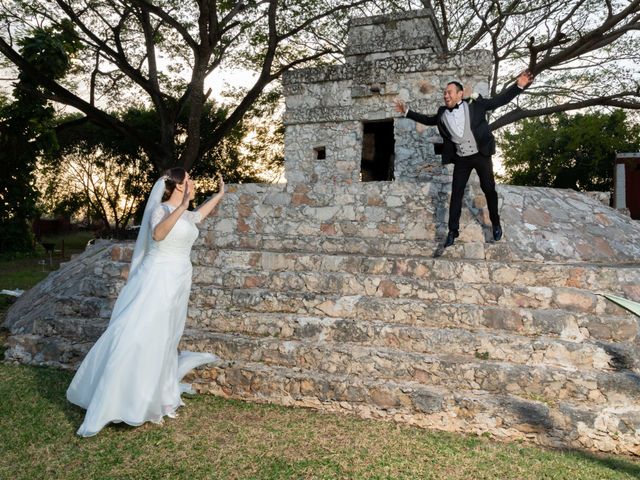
132 373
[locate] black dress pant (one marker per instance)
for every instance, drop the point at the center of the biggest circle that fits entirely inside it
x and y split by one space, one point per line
461 171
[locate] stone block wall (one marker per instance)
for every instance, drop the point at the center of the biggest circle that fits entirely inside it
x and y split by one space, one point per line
339 141
396 35
326 107
399 217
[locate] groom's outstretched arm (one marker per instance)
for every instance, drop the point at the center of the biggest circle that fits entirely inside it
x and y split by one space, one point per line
523 81
402 108
421 118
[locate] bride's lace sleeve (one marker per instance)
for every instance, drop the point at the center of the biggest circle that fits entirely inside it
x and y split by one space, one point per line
159 213
193 216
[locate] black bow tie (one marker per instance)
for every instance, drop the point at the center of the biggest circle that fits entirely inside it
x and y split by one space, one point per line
455 107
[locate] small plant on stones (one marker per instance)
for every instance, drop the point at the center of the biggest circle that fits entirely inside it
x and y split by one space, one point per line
482 355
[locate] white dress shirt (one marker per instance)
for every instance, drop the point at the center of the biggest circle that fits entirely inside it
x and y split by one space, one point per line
455 119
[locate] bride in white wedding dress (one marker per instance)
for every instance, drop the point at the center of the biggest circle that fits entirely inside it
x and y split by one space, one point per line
132 373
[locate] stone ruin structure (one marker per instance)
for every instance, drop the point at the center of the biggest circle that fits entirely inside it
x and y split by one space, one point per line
340 125
324 292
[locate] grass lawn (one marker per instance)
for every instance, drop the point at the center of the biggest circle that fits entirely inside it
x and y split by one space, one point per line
25 271
218 438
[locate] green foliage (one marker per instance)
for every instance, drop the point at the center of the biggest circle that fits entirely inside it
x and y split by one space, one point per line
226 158
568 151
97 174
50 50
26 132
162 55
165 53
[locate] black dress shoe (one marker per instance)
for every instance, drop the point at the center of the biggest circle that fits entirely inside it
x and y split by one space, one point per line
497 232
451 237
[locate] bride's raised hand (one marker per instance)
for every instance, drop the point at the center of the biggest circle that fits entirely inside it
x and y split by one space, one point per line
221 185
186 196
207 207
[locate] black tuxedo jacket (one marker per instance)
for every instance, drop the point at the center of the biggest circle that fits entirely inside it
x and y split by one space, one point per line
479 126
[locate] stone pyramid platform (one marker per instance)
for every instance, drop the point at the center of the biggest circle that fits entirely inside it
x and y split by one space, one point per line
340 298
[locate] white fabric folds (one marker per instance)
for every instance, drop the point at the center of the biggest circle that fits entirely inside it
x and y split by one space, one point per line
132 373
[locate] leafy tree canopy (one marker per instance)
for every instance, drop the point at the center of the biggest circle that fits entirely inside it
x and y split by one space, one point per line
158 54
98 176
27 131
568 151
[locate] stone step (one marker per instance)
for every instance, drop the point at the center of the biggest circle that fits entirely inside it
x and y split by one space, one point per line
463 374
415 210
408 313
82 329
54 351
385 223
105 287
539 224
554 422
286 291
614 278
80 306
428 245
486 344
211 303
455 372
505 347
476 248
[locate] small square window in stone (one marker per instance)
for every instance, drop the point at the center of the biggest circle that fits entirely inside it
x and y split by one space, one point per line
378 155
320 153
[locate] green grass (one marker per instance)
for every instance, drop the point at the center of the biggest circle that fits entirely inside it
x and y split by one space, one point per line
26 270
218 438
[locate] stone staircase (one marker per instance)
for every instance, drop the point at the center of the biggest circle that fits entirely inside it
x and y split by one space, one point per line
340 298
348 303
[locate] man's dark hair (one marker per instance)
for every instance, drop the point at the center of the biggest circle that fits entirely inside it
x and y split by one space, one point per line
457 84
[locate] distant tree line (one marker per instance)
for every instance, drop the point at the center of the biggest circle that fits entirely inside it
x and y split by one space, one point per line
568 151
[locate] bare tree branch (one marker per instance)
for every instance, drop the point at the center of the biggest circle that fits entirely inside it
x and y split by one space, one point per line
119 58
62 95
147 6
618 100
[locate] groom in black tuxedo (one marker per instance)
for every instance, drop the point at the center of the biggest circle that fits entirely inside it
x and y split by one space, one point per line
468 144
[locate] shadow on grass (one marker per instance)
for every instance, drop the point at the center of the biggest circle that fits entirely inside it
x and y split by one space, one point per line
120 450
51 385
616 464
538 415
4 335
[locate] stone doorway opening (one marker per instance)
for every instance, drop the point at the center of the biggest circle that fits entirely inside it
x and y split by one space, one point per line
378 144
